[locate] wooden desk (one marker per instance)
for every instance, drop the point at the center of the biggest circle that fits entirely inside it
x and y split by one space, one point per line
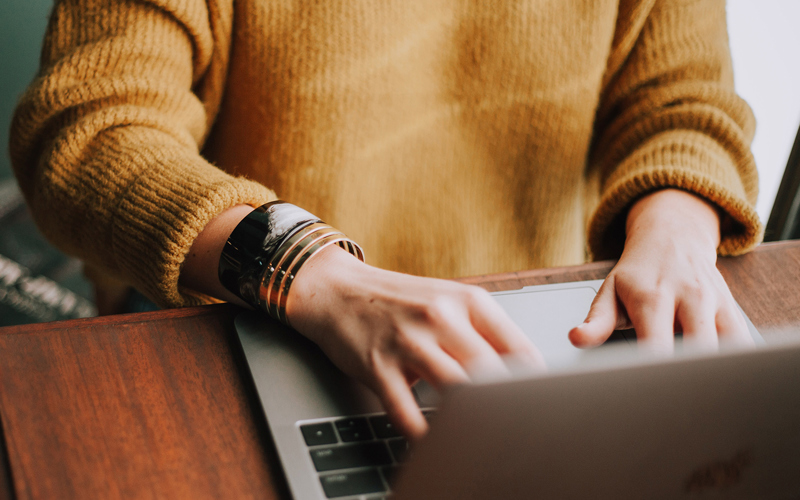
157 405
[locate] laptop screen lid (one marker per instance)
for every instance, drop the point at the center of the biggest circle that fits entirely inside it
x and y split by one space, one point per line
700 426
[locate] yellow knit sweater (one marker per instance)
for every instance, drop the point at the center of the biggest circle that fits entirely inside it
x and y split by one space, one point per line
447 137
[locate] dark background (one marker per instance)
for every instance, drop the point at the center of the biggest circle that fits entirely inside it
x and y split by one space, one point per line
37 282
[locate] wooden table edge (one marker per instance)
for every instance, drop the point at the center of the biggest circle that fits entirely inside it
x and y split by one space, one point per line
501 281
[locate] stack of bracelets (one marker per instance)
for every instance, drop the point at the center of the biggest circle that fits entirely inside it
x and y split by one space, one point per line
266 250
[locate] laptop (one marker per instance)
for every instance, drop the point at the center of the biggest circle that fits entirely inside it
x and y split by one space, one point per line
334 440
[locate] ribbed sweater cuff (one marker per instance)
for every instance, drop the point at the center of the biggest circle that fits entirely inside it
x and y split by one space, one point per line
162 213
684 160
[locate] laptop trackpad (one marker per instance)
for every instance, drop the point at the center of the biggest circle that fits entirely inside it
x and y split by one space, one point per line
546 315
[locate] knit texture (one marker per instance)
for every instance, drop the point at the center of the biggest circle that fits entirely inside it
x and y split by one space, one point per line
448 138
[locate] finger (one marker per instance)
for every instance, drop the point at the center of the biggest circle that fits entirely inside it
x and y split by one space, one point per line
462 342
732 326
435 366
399 402
653 318
500 331
698 323
604 317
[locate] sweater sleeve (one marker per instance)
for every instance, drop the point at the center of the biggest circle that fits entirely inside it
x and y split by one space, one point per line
669 117
105 142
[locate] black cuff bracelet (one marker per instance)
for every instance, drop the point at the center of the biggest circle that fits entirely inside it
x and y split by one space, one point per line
266 250
256 238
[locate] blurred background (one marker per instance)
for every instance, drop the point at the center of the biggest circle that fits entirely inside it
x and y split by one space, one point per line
39 283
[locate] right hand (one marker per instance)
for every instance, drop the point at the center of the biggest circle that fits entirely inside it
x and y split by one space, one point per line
388 329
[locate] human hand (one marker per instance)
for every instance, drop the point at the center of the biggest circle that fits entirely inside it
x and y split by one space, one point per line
389 329
666 280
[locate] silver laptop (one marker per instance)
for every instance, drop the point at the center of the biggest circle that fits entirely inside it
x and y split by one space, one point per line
334 440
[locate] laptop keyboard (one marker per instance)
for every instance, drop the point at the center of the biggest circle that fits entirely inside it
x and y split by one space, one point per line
356 456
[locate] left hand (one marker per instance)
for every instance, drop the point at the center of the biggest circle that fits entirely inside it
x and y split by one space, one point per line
666 280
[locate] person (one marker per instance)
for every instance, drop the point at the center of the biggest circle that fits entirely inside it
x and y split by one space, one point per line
446 138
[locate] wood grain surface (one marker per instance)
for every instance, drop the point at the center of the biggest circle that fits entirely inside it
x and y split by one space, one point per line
137 406
766 283
159 405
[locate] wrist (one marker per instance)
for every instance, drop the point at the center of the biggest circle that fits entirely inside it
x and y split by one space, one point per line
318 281
675 212
199 271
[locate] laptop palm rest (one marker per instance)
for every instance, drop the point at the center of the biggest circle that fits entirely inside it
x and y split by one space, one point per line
295 380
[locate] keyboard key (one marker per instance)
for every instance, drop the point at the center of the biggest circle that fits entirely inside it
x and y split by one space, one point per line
352 483
318 434
616 336
383 428
399 449
349 456
353 429
390 473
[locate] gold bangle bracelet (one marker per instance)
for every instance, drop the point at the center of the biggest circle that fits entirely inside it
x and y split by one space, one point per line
274 285
278 259
285 285
279 274
284 297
